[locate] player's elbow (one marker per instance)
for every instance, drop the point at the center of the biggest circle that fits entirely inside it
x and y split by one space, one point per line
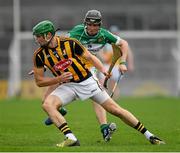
124 43
39 83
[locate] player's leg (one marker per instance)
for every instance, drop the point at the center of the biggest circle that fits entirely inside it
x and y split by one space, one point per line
48 120
100 113
59 97
106 129
128 118
62 110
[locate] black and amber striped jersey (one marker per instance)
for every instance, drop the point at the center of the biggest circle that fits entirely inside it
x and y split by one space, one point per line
65 57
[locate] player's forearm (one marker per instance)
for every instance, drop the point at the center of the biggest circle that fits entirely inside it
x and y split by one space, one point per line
124 49
42 81
97 63
46 81
130 57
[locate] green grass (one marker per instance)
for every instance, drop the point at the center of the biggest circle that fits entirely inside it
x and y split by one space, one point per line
22 128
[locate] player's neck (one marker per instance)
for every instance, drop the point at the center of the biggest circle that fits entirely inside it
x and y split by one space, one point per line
53 43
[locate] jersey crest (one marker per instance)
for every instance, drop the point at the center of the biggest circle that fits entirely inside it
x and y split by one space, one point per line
62 65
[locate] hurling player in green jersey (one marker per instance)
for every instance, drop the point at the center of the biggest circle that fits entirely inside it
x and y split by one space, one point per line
94 38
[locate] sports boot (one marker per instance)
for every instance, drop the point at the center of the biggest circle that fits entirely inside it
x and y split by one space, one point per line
155 140
107 131
68 143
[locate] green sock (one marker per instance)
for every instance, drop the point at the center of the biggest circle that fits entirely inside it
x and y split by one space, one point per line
63 111
103 126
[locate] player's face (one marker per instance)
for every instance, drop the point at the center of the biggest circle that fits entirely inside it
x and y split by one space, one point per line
92 29
40 40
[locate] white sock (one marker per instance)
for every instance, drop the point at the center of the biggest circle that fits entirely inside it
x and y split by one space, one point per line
148 134
71 136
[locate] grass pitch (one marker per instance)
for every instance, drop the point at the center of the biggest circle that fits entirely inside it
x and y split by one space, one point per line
22 127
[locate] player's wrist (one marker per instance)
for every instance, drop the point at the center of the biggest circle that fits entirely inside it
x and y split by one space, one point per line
59 80
122 62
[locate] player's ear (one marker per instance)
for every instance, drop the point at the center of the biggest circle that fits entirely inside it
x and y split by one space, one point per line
48 36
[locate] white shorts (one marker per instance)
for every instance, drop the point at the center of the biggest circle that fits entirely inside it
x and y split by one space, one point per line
89 88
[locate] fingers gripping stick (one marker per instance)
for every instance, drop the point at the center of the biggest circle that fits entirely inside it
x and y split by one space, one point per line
116 55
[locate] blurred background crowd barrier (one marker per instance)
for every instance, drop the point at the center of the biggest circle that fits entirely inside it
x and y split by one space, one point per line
150 26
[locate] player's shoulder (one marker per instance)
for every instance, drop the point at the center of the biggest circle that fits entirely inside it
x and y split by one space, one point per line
68 39
106 33
77 28
103 30
38 50
63 38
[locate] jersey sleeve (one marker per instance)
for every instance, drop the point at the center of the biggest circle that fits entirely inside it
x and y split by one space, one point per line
111 38
73 31
76 31
38 61
70 33
79 49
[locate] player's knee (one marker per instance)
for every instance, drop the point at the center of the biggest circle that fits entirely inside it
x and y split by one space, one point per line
47 105
51 103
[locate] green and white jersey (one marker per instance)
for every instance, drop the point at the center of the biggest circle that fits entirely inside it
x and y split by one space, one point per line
93 43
